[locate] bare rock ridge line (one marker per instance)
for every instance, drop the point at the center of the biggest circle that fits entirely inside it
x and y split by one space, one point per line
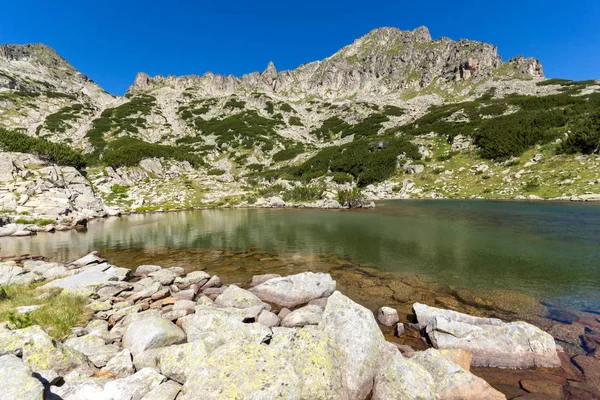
384 60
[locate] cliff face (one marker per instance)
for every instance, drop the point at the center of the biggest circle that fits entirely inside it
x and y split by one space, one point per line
383 61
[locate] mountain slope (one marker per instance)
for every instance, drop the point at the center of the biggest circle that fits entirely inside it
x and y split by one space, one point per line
396 114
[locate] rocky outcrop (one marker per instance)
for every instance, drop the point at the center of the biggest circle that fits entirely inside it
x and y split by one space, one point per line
145 342
492 343
31 186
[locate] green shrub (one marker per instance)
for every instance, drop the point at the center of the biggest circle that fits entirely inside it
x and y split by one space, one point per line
128 151
288 154
285 107
329 127
351 198
59 121
304 193
342 177
365 160
273 190
235 103
270 109
393 111
584 137
37 221
56 153
295 121
216 171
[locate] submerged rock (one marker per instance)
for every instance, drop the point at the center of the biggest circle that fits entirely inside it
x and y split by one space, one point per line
492 343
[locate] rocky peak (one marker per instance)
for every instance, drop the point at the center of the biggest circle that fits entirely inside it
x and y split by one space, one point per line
141 82
527 66
34 53
270 76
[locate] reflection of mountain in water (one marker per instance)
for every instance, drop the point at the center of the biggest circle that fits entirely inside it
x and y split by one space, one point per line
537 248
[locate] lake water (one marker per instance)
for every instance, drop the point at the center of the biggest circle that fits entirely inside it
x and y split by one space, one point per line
550 251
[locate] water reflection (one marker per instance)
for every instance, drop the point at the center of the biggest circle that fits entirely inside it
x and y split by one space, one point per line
548 250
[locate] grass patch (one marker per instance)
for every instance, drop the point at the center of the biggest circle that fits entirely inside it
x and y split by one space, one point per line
38 221
57 316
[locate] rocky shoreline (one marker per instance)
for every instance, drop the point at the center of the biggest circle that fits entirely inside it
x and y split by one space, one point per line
159 333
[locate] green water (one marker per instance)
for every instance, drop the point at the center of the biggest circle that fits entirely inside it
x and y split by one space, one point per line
548 250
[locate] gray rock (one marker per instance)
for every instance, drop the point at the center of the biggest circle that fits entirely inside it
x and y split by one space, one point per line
387 316
145 270
218 326
492 342
317 361
164 276
268 319
120 366
308 315
214 281
225 375
186 305
151 333
196 277
91 258
16 382
180 361
94 348
133 387
258 279
165 391
353 329
294 290
185 294
85 389
276 202
402 378
236 297
450 379
83 281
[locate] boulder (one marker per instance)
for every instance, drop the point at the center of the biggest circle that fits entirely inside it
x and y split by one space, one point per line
258 279
308 315
402 378
133 387
492 343
355 332
42 353
195 277
293 290
145 270
226 374
82 281
163 276
453 382
91 258
218 326
387 316
316 361
179 362
82 389
268 319
151 332
94 348
165 391
120 366
16 380
236 297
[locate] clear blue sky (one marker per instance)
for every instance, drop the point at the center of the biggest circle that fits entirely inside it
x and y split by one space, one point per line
110 41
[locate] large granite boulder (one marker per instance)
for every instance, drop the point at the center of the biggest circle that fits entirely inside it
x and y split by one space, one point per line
293 290
492 343
176 362
42 353
403 378
451 382
353 329
242 370
316 361
133 387
234 296
81 389
16 382
94 348
308 315
150 333
218 326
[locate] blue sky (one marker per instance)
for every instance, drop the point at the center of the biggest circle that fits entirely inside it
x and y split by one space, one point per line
110 41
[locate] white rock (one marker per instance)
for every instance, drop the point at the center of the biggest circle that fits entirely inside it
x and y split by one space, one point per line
150 333
294 290
16 382
388 316
308 315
